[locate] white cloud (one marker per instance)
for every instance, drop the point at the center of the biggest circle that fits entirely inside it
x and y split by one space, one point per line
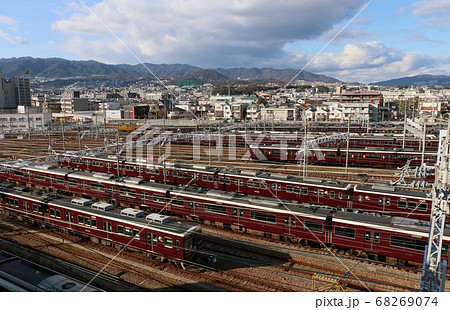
434 13
7 21
12 39
373 61
207 33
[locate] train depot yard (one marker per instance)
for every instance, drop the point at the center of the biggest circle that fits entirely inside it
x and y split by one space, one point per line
209 209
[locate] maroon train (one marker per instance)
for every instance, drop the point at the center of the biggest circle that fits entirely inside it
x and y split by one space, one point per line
377 198
400 238
176 241
369 156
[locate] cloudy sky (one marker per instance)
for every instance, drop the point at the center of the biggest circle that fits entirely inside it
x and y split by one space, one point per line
352 40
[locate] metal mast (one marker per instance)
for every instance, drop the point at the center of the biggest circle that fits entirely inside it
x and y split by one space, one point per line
434 270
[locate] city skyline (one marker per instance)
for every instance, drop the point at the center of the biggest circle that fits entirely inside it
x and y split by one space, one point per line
385 40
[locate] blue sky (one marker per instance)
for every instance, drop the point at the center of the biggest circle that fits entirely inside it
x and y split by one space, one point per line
388 39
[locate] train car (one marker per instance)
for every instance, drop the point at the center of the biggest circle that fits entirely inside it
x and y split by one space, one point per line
385 199
152 234
369 156
21 275
132 190
265 216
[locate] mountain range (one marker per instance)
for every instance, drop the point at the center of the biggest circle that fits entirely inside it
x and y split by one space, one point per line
417 80
58 68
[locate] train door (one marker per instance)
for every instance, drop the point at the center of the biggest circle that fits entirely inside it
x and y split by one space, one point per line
328 238
383 203
238 184
237 215
43 210
289 225
350 198
371 239
193 208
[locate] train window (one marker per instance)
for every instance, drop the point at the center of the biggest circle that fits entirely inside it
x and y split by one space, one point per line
289 189
304 191
265 217
340 195
115 166
210 178
241 212
444 250
128 231
332 195
380 201
313 226
127 192
112 190
40 177
67 216
80 219
83 184
155 239
178 202
109 227
108 165
215 208
16 202
73 182
144 195
136 234
204 178
388 202
51 179
235 212
256 185
87 221
423 206
149 237
401 204
104 226
250 184
286 221
97 187
71 217
168 242
177 243
58 214
344 232
368 235
263 185
297 190
94 223
376 237
158 198
228 181
321 192
412 205
408 243
60 180
359 198
221 180
293 222
316 192
52 212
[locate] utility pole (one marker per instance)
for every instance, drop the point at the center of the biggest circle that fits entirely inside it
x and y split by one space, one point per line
404 127
434 270
348 145
305 155
423 141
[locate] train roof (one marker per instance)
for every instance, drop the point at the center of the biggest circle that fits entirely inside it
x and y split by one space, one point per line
379 188
174 227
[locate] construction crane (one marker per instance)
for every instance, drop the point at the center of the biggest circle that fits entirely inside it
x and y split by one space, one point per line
434 269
